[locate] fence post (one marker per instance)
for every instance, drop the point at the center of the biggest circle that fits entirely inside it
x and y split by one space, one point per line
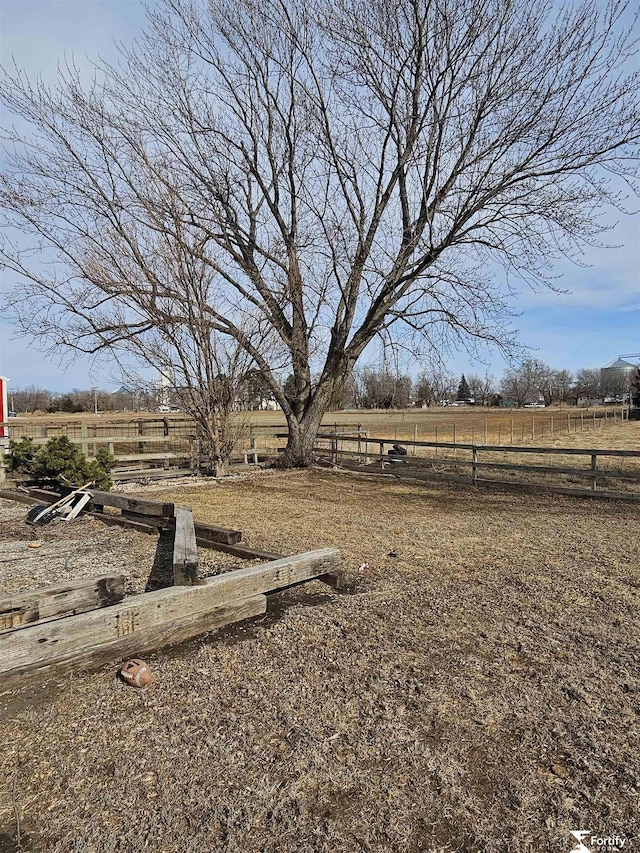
254 448
382 455
415 438
474 463
83 433
334 445
533 428
486 431
568 424
594 462
436 439
551 426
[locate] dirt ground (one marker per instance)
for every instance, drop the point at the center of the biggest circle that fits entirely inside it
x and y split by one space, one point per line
476 688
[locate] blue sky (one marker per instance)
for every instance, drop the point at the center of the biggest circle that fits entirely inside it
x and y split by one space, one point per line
595 322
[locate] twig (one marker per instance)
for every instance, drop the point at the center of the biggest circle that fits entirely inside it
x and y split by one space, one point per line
16 811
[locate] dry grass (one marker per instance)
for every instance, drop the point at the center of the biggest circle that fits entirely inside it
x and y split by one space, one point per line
401 424
477 689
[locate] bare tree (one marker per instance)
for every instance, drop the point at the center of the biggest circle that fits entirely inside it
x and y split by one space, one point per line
435 385
527 382
202 368
588 383
563 381
482 387
382 389
30 399
345 171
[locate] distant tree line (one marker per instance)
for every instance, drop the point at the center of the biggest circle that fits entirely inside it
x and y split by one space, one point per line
532 381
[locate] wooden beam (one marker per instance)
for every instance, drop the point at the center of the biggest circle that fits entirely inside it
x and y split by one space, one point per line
334 578
132 504
212 533
129 503
152 519
59 651
153 619
185 549
120 521
237 550
52 602
158 522
19 497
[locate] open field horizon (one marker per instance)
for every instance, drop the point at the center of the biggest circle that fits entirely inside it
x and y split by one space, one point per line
432 424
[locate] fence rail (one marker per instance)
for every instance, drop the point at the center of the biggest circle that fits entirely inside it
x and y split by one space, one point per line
370 455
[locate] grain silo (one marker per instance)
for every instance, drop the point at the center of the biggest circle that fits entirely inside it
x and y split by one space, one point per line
616 378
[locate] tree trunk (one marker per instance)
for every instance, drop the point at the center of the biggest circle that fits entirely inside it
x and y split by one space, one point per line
302 433
212 460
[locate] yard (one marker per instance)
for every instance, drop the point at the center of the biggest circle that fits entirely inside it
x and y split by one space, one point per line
476 687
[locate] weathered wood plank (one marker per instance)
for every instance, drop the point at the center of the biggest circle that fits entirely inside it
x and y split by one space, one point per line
18 497
152 619
217 534
129 523
245 553
185 549
205 532
334 578
129 503
132 504
57 600
166 632
156 521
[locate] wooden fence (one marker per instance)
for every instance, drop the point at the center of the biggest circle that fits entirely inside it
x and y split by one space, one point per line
152 446
369 454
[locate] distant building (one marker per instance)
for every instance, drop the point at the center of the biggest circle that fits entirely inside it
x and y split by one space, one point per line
616 379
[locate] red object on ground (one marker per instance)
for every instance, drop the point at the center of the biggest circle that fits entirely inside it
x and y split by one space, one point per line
135 672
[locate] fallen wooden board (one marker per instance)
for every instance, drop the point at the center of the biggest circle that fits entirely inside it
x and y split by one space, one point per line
133 504
156 521
112 499
154 619
132 644
120 521
140 517
19 497
217 534
185 550
58 600
334 579
242 551
206 532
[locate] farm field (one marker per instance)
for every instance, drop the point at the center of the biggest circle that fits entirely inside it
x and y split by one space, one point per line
401 424
476 688
563 467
